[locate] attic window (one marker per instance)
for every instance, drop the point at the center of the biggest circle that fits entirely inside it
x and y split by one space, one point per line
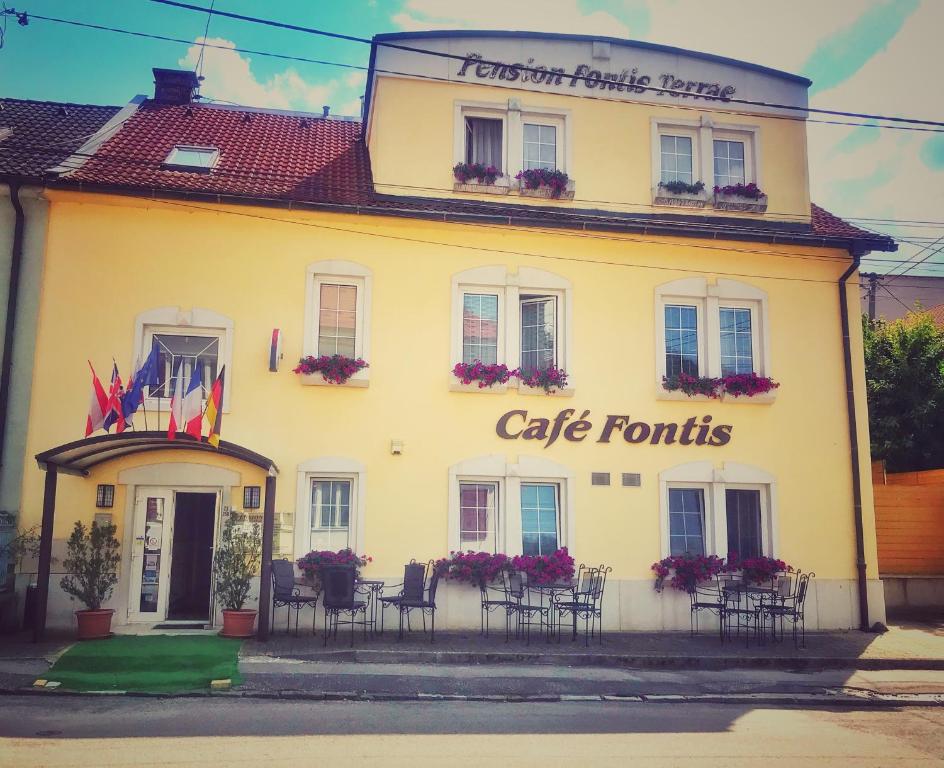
198 159
5 132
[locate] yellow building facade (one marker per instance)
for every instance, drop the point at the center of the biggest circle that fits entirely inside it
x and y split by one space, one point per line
618 283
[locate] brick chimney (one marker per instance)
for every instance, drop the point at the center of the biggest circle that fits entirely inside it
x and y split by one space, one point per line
174 86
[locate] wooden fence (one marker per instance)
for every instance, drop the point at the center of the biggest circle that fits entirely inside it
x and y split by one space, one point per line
909 521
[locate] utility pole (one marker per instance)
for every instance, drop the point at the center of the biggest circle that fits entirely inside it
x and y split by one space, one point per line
873 279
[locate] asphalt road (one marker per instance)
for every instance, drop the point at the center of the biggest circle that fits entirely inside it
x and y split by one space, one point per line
122 731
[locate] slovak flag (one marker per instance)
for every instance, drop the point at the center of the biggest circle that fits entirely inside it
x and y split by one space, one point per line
176 404
192 408
113 410
97 405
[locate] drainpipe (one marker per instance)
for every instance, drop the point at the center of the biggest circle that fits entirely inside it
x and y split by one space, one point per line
16 262
854 443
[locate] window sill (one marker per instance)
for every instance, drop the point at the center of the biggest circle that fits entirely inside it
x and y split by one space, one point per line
763 399
537 391
546 193
495 389
679 200
735 203
500 187
317 380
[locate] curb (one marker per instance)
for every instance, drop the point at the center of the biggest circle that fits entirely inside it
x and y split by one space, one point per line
632 661
860 700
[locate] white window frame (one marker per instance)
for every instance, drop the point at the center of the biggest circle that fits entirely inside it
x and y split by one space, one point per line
173 163
715 481
312 479
181 322
710 297
514 114
499 483
509 476
339 272
330 468
510 287
483 290
559 493
703 132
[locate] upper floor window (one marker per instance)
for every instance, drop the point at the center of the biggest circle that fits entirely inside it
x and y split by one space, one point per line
185 339
677 159
522 322
484 140
187 158
711 330
337 314
540 146
729 163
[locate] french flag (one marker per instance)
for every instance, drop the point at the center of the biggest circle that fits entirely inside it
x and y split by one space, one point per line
97 405
176 404
191 410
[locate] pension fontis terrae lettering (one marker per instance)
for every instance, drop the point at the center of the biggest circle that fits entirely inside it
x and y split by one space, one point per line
625 81
516 424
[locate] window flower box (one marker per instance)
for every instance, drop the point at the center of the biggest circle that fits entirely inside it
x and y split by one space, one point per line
481 375
311 564
551 379
734 385
543 183
686 571
479 179
333 369
475 568
680 195
740 197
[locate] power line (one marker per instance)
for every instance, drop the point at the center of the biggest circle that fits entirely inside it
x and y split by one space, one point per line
455 57
911 123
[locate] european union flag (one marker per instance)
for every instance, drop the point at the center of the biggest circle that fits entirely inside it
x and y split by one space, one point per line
145 376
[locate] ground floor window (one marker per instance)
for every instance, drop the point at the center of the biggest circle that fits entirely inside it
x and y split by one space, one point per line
743 511
330 513
478 516
540 521
686 521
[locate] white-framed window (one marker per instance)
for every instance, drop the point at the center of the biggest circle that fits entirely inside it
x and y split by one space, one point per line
478 516
677 155
717 154
184 339
330 505
521 320
530 505
337 313
190 158
711 511
511 136
705 329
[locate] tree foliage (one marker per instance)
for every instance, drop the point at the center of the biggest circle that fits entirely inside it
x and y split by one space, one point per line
904 370
91 564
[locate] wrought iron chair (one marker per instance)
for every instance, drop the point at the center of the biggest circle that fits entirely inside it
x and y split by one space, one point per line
793 609
710 598
414 574
588 605
286 595
339 597
422 599
490 603
741 608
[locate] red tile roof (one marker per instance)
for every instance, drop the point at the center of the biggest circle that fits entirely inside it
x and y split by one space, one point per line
937 315
44 133
301 158
262 154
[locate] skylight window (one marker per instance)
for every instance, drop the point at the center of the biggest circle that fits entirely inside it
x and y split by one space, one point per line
198 159
5 132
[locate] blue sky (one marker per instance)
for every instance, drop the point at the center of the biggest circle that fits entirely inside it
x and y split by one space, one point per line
863 55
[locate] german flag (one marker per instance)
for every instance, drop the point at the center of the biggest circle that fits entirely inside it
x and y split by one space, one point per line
214 410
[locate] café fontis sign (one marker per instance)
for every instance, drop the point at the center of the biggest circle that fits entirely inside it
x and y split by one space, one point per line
516 425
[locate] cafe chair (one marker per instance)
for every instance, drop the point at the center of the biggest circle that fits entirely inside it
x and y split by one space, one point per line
340 598
421 597
792 608
587 605
414 574
286 595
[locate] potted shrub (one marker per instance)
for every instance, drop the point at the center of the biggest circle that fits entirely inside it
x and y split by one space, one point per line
681 194
91 566
740 197
541 182
236 561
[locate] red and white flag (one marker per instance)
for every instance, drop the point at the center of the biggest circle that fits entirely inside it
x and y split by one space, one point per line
97 405
192 408
176 405
114 413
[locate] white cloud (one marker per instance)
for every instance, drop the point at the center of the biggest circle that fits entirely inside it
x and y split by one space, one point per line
530 15
356 79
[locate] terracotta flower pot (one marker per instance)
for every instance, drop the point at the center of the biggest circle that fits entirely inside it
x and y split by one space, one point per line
238 623
93 625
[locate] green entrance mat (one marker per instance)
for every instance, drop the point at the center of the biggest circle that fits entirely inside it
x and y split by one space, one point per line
162 663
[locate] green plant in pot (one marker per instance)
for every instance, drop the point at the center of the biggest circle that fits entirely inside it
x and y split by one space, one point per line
236 561
91 565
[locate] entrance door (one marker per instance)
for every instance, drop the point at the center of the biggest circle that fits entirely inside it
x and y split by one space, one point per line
150 554
191 556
